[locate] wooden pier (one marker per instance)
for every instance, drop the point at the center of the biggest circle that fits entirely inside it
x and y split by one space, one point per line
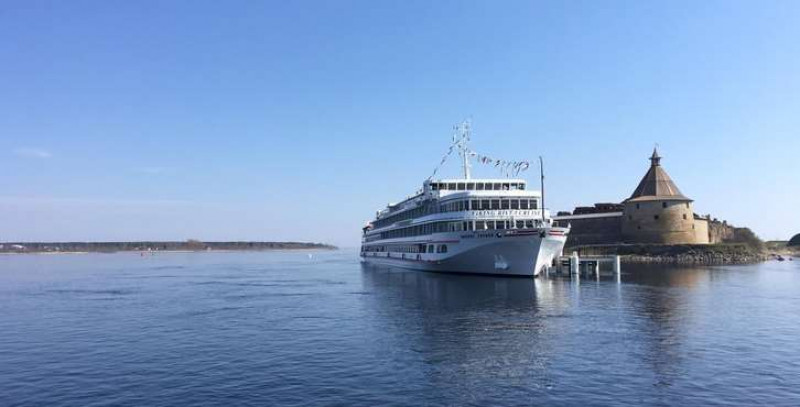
587 266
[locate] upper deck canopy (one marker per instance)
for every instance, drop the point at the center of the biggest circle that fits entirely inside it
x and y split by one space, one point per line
501 184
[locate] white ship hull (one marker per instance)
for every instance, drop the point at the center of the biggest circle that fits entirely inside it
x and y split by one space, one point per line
517 252
492 226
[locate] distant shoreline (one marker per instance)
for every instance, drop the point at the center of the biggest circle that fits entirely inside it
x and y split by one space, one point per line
54 253
188 246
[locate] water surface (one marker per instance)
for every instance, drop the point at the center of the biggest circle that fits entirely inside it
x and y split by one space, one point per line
283 328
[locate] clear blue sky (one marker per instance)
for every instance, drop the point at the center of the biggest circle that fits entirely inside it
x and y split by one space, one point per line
297 120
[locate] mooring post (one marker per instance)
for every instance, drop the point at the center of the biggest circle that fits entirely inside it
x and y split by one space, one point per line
617 268
574 263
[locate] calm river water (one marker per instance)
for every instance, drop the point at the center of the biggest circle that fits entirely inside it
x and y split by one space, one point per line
283 328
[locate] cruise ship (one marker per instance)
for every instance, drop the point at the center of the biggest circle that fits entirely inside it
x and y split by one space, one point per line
465 225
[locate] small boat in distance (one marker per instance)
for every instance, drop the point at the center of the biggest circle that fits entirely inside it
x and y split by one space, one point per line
466 225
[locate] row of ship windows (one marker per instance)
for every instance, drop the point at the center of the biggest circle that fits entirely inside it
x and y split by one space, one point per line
477 186
439 227
410 214
412 248
488 204
461 205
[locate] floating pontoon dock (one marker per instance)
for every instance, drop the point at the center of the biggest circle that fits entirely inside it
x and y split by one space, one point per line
575 265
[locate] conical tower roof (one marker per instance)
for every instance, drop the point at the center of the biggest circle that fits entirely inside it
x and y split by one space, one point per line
656 184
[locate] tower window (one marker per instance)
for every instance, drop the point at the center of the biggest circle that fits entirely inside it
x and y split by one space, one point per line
663 204
637 206
684 216
655 217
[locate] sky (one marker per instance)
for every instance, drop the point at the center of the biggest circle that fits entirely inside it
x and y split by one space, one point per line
247 120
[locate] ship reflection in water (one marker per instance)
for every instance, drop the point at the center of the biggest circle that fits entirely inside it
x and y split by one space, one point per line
662 335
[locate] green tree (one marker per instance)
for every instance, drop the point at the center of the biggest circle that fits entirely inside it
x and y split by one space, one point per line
748 238
194 244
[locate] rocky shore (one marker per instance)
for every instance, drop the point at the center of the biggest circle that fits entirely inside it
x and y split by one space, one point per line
677 254
696 259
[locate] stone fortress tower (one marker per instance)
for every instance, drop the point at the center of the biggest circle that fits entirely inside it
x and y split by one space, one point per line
657 211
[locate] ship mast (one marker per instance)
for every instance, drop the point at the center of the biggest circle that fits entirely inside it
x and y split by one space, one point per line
461 138
541 173
462 133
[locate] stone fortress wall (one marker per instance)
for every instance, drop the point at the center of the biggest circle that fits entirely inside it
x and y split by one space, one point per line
598 227
702 232
600 230
719 231
598 224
